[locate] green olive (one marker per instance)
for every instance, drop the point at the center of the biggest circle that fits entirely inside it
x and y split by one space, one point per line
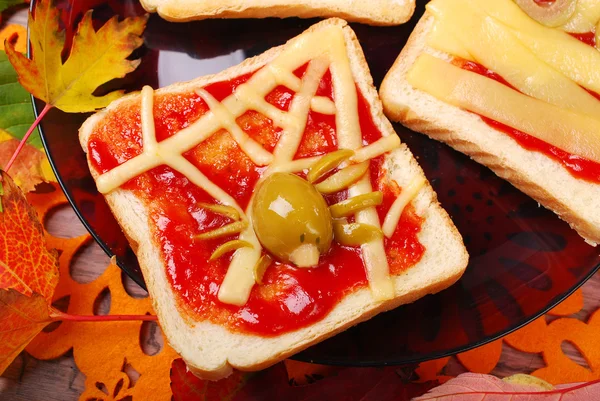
291 219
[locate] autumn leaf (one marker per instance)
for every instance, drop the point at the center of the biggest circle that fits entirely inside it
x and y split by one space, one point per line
26 265
187 387
15 105
21 318
477 386
31 166
95 58
349 384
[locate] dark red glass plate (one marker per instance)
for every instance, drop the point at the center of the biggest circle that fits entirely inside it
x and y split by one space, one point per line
524 259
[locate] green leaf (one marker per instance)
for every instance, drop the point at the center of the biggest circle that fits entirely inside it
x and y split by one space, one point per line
4 4
16 112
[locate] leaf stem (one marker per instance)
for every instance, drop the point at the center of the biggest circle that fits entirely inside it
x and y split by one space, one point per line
27 135
56 316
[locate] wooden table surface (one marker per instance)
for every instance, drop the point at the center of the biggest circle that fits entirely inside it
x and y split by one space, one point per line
28 379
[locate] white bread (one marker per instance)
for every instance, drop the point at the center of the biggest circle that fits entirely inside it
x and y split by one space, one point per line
372 12
211 351
574 200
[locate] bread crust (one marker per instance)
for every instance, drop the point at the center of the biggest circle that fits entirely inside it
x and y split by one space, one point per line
212 351
575 201
374 12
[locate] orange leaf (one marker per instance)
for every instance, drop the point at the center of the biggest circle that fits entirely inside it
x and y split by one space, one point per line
26 265
21 318
95 58
28 170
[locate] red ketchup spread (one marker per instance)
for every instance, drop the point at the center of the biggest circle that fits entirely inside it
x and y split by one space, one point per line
589 38
289 298
578 166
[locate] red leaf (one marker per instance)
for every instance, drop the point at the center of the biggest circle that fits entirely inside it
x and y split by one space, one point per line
187 387
351 384
21 319
477 387
26 265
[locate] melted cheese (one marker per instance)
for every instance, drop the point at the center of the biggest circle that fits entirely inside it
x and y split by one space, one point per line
587 16
406 196
349 137
574 133
257 154
377 148
576 60
322 55
239 279
484 39
548 67
322 105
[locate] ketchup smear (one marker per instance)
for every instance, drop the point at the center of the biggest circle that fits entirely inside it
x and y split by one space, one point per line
578 166
289 298
589 38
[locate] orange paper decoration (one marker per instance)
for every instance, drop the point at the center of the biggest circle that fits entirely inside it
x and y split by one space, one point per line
102 351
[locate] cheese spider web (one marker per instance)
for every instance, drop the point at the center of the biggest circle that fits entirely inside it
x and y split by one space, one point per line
323 50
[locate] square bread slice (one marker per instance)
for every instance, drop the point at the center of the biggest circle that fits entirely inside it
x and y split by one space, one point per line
374 12
212 351
574 200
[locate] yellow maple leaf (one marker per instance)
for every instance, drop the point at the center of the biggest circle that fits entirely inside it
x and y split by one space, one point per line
95 58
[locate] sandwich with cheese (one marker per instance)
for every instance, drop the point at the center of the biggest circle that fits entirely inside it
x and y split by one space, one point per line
372 12
514 85
271 205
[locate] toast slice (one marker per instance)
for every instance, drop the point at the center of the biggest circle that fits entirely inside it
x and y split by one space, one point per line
574 200
375 12
212 350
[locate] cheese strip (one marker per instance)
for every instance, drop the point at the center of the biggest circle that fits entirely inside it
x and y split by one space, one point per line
257 154
371 151
377 148
406 196
322 105
290 139
575 59
373 252
587 16
458 24
149 142
239 279
450 45
572 132
350 137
